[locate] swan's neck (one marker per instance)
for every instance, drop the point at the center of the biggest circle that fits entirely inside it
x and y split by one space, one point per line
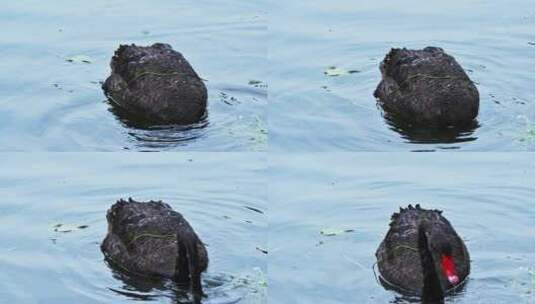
432 290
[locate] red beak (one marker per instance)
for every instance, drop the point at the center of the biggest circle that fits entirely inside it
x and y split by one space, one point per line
448 266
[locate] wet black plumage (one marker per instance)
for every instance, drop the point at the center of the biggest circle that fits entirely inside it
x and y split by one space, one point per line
419 237
151 239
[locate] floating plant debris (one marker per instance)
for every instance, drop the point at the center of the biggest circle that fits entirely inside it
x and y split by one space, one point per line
79 59
335 71
334 232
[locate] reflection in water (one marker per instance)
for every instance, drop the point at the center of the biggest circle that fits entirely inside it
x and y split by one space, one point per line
418 134
219 288
151 135
130 119
145 288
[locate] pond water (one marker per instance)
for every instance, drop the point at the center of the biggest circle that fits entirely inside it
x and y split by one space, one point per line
328 212
42 262
51 104
311 111
487 197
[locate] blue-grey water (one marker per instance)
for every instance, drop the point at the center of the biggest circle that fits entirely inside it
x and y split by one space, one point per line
318 63
47 256
310 111
48 103
488 198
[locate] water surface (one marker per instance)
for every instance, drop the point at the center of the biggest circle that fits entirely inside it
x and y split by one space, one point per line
53 216
48 103
311 111
487 197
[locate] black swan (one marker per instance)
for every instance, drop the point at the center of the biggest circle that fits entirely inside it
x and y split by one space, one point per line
422 254
157 84
426 87
151 239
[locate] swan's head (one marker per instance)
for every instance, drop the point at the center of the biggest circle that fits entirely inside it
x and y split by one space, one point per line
447 264
442 254
443 257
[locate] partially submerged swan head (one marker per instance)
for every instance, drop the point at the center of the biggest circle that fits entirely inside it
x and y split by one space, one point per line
441 253
436 258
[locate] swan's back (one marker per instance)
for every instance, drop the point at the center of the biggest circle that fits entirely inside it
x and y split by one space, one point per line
142 237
